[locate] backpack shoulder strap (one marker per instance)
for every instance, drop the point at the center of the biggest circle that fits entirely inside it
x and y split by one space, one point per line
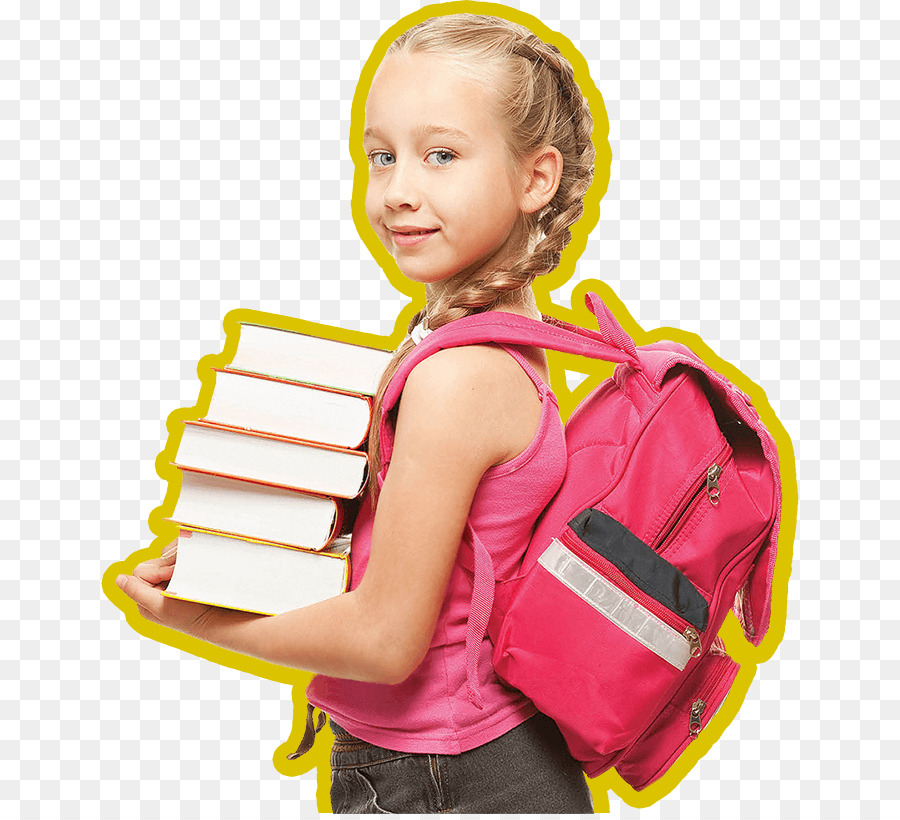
540 385
609 343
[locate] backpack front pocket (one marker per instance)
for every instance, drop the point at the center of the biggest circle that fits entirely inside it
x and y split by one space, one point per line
624 603
615 633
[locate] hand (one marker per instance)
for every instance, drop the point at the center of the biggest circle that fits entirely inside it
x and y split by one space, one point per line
158 571
145 586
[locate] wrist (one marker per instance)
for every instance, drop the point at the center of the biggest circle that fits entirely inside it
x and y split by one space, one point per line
231 629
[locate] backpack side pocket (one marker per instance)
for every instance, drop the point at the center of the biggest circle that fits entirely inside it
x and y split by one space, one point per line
682 719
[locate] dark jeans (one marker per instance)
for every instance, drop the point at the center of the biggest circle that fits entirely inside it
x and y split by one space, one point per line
526 771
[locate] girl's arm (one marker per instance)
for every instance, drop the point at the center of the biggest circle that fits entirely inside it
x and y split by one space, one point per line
462 411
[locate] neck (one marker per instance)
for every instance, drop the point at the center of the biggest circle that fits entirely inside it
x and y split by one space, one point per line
523 303
525 306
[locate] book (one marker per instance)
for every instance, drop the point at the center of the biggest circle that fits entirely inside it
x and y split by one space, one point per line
287 408
256 511
256 577
276 460
273 471
299 357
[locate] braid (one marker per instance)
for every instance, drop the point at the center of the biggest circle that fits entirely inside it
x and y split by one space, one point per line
542 104
573 128
557 114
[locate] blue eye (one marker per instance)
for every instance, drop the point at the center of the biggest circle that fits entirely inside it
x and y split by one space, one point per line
381 159
441 157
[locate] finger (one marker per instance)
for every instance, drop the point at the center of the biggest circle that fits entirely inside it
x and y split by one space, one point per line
154 571
169 553
147 597
185 616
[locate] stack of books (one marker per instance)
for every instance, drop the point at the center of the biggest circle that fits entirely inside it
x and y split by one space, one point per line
268 473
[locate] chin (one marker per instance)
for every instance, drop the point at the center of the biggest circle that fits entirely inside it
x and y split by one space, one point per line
424 279
421 274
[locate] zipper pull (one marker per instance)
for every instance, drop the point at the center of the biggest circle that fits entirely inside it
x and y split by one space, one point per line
712 483
697 710
692 636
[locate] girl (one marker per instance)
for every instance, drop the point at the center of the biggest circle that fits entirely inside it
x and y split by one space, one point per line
480 152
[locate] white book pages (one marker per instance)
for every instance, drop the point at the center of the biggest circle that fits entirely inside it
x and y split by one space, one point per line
276 461
287 409
254 510
310 359
239 574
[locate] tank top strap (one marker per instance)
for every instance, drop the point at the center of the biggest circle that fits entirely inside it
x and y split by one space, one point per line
542 387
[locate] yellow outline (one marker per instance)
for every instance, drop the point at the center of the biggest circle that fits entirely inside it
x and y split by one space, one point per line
165 531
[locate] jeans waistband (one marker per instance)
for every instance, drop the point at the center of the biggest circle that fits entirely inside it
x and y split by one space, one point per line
341 734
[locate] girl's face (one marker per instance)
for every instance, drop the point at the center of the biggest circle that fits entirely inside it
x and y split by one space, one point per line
443 194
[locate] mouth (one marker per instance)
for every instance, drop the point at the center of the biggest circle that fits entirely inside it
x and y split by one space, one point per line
408 236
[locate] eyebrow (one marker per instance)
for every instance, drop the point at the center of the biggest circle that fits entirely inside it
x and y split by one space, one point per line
424 131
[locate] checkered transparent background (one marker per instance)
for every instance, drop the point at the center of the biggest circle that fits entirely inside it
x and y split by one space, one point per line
163 163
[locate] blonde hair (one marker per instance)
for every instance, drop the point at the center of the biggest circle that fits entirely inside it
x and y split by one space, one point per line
540 104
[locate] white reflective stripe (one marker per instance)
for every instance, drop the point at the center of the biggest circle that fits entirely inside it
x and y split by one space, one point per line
619 608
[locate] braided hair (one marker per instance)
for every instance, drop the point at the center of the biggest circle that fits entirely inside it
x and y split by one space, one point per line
540 104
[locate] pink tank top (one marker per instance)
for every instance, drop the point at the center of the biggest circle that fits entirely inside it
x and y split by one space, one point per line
433 711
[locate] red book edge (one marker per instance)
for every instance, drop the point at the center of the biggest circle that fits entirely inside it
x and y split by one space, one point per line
309 385
259 434
337 521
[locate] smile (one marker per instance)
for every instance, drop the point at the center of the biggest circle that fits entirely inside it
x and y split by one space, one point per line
407 237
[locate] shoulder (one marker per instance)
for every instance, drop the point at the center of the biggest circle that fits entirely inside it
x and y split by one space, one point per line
471 375
476 398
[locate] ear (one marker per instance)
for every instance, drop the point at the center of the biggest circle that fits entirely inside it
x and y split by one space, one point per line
542 171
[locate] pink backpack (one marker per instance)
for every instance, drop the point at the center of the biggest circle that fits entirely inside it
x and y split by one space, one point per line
667 518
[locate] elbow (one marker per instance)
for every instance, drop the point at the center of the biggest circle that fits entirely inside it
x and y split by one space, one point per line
394 662
401 670
391 650
391 676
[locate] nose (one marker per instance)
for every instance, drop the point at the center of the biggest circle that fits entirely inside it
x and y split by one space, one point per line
403 188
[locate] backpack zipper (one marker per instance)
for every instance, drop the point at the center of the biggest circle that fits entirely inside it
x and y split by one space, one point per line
698 707
687 632
695 723
707 483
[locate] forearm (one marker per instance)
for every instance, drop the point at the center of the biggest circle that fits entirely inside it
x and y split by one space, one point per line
336 637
